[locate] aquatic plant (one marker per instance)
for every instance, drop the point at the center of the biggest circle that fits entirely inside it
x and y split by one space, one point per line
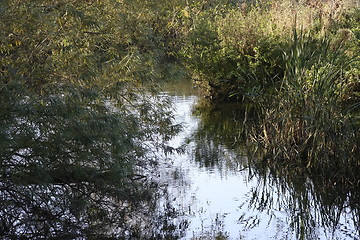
305 125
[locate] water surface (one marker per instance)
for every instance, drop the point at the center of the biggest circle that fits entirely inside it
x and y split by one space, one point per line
219 195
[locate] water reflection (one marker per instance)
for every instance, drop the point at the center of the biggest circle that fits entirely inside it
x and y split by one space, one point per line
219 142
214 190
83 211
222 193
66 175
313 210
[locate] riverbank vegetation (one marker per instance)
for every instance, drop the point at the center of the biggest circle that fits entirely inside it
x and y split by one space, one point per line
294 66
236 50
81 119
297 64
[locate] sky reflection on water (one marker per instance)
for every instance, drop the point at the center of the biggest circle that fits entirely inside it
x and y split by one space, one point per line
225 198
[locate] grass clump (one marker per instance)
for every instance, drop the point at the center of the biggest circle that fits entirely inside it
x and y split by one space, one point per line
306 125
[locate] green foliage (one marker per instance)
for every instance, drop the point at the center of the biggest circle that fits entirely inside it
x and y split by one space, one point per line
305 126
229 51
304 86
79 120
236 51
79 115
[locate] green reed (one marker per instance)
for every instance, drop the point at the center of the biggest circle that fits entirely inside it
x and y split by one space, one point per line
306 125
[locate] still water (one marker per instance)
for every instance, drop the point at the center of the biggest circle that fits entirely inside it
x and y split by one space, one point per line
218 194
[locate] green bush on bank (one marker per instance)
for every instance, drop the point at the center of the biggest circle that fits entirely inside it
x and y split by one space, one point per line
236 53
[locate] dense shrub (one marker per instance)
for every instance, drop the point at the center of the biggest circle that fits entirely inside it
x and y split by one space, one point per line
236 52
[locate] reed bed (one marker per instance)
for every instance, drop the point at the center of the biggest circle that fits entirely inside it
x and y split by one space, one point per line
305 126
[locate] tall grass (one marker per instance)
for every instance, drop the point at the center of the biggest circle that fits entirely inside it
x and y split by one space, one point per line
305 126
228 46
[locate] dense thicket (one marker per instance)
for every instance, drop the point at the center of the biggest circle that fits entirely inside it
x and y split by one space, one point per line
236 51
79 120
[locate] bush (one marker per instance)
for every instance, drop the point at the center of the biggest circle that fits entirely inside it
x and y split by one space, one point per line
236 53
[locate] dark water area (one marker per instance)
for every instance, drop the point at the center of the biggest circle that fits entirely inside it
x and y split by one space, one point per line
218 192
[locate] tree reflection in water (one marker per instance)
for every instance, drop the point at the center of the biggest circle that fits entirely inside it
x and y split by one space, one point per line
83 211
84 175
219 136
304 206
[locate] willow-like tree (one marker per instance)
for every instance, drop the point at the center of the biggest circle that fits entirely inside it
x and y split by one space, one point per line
78 118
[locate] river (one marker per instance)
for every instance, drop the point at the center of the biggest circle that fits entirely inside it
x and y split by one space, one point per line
217 194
